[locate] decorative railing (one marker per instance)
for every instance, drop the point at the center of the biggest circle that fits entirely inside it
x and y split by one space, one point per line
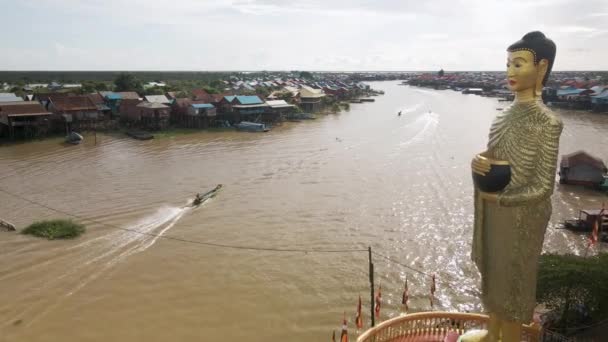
434 326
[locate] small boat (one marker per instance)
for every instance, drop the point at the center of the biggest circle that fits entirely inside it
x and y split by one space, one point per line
200 198
301 116
498 108
7 225
586 220
74 138
368 100
140 135
251 127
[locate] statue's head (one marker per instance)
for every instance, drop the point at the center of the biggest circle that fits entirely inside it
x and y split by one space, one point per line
529 62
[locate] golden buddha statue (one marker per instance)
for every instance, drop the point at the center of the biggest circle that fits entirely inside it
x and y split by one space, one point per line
510 224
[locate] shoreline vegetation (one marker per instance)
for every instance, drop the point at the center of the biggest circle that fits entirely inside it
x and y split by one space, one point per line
55 229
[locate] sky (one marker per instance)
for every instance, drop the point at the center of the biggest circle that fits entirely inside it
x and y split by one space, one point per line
323 35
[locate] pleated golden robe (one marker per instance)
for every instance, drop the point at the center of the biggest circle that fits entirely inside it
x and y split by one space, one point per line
508 235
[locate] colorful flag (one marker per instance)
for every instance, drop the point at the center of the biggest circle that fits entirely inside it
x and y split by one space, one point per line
344 335
594 233
359 319
405 296
378 301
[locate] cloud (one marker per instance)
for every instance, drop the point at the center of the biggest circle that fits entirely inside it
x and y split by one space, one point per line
290 34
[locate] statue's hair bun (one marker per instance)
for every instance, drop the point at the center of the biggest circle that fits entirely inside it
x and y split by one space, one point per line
534 35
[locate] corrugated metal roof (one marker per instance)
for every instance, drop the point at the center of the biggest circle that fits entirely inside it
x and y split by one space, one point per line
249 100
152 105
7 95
157 99
564 92
202 105
229 98
10 99
113 96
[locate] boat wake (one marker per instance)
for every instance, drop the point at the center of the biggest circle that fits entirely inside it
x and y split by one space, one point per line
85 262
427 123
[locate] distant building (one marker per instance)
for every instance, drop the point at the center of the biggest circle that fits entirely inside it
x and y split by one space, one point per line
24 119
582 168
10 97
476 91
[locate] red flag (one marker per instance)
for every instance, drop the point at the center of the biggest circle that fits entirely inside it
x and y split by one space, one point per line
333 337
593 237
378 301
359 319
344 335
405 296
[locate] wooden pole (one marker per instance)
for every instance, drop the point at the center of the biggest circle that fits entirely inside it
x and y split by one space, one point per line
371 285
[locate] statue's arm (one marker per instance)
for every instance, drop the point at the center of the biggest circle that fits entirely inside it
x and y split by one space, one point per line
543 179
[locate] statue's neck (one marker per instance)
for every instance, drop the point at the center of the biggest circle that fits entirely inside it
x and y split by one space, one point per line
526 96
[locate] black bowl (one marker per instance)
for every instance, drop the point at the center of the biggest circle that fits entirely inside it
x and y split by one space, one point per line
496 179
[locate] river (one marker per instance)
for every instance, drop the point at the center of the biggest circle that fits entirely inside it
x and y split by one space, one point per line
364 177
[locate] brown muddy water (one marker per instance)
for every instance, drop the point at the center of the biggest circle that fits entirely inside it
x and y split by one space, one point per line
361 178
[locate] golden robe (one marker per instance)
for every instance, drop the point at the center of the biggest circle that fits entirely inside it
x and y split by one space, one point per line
508 235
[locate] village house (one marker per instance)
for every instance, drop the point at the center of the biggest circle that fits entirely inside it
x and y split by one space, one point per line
192 114
311 99
101 105
277 110
147 115
77 111
237 108
23 119
582 168
199 115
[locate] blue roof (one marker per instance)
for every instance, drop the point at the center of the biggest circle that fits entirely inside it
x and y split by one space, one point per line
113 96
247 100
229 98
569 91
202 105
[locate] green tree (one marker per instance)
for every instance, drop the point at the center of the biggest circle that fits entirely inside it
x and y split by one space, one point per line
127 82
306 75
101 86
87 87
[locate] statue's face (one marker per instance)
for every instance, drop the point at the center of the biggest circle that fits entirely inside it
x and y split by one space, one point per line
522 73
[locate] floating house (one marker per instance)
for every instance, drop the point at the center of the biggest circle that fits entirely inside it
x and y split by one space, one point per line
24 119
311 99
147 115
581 168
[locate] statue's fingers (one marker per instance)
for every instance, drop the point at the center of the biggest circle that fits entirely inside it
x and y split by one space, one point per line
482 166
479 172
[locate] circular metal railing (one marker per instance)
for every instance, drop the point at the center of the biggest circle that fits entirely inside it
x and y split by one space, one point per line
434 326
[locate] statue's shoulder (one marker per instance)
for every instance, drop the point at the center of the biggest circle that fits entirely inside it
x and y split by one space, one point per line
550 118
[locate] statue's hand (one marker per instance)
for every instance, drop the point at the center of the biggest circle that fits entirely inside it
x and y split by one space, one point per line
480 165
489 196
